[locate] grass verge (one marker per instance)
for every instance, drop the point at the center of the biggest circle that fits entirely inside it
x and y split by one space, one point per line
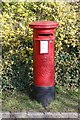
17 101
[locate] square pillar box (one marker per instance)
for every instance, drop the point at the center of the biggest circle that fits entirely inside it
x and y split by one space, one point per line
43 60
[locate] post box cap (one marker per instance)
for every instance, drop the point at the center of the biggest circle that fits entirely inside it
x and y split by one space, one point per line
44 24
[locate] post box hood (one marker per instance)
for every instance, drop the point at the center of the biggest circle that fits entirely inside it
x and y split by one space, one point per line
44 24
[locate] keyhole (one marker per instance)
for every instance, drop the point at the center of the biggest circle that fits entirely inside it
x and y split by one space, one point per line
50 41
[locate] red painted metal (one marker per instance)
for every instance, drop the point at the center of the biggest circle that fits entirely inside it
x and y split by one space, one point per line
44 24
44 72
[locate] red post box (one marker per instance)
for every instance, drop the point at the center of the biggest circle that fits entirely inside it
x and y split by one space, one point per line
43 60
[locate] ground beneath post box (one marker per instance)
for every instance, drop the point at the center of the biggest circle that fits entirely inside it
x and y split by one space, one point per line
19 101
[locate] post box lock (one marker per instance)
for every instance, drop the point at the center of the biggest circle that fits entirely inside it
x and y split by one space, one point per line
50 41
43 57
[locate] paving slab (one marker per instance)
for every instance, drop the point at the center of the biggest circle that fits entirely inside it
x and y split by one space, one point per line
39 115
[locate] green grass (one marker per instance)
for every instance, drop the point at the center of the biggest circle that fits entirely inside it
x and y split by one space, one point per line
16 101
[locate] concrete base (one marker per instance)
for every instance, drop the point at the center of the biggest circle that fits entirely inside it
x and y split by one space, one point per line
44 95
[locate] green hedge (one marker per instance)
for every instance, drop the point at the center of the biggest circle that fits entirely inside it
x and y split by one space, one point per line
18 46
